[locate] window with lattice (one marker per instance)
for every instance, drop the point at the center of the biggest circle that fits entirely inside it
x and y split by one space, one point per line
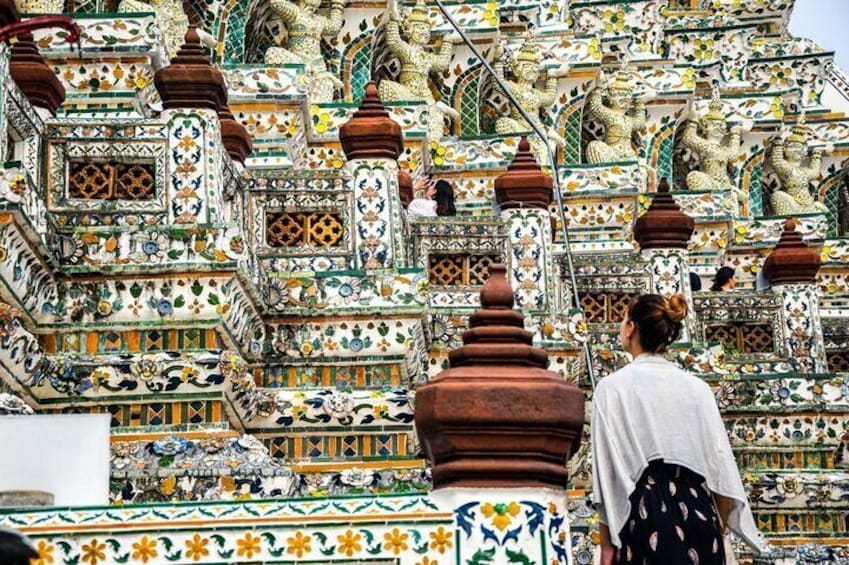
605 307
110 180
838 361
320 229
459 270
684 4
742 337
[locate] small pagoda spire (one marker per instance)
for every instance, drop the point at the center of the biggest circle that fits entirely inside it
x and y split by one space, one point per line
792 261
524 185
371 133
190 81
405 187
497 417
9 12
237 140
33 76
664 225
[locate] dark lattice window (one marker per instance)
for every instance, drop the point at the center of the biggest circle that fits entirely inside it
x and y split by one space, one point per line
838 361
459 270
684 4
743 337
605 307
304 229
111 181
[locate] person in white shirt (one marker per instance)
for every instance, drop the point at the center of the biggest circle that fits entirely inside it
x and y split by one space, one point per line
665 482
423 205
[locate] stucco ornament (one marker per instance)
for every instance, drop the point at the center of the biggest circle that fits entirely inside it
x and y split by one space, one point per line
787 160
613 115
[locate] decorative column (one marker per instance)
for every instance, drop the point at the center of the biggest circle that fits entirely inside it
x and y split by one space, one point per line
791 270
372 142
523 194
662 234
193 92
498 429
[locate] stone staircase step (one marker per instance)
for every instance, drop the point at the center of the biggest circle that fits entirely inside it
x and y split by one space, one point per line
342 445
814 524
788 458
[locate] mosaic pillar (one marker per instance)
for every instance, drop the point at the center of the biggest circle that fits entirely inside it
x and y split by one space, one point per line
497 428
523 194
791 270
193 92
670 274
194 187
530 259
663 233
508 525
372 142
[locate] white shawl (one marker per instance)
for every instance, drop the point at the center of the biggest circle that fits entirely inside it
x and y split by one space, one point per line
421 208
651 410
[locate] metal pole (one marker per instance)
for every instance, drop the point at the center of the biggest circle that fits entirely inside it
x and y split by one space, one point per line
555 176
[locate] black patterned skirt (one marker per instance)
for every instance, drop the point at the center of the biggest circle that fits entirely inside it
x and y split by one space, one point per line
673 520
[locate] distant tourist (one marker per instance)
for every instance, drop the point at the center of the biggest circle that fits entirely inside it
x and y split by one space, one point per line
15 549
665 481
445 199
695 282
761 282
423 205
725 280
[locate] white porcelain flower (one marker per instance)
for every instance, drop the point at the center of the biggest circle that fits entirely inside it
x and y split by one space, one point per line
358 478
339 405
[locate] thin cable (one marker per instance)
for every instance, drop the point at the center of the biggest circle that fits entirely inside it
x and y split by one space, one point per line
555 177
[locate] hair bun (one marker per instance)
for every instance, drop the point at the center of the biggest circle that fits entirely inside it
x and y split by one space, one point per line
676 307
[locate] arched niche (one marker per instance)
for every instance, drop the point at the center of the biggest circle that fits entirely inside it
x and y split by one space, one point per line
357 66
568 123
467 101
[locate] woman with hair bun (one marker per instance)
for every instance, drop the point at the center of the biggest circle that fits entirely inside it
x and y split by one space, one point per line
665 481
725 280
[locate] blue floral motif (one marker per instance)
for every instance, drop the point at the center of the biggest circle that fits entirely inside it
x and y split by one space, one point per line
149 248
164 307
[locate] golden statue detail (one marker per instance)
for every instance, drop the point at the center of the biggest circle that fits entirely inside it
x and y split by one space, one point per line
787 161
306 28
526 71
618 124
714 156
417 62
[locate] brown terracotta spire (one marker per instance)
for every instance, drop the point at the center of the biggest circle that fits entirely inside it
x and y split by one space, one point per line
371 133
190 81
36 80
497 417
8 12
235 136
524 185
405 187
664 225
792 261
